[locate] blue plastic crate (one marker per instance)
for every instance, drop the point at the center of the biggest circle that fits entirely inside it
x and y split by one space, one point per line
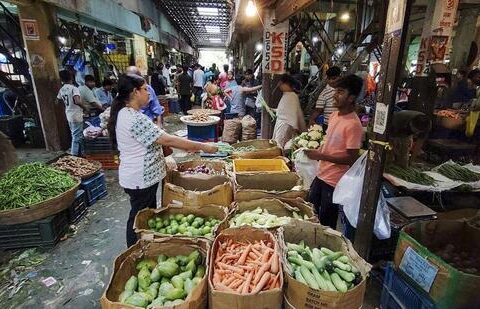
95 188
397 293
203 134
78 209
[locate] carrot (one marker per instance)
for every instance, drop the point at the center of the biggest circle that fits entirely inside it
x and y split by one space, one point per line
258 253
265 256
232 268
228 280
236 284
274 262
246 285
243 257
235 275
223 271
274 282
247 268
260 272
222 287
261 284
252 255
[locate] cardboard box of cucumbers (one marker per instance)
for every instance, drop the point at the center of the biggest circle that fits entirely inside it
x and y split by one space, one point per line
322 268
161 273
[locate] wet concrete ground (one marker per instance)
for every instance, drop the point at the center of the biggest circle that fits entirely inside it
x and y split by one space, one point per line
82 264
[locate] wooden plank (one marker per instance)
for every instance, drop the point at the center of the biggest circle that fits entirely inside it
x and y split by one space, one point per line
393 51
288 8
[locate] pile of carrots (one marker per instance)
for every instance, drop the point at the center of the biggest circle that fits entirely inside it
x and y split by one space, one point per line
246 268
448 113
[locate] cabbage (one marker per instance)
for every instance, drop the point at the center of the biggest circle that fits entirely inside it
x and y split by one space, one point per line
315 135
258 218
302 143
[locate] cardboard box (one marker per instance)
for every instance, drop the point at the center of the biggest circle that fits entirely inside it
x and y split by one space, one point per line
275 207
125 266
144 232
218 195
415 258
299 295
264 149
198 181
222 300
252 186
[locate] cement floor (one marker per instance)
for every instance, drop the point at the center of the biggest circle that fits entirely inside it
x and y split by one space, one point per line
82 263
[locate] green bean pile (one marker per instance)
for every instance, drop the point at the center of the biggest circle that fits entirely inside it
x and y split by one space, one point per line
32 183
455 171
246 149
411 174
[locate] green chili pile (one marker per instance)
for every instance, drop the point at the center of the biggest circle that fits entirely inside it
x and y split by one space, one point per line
32 183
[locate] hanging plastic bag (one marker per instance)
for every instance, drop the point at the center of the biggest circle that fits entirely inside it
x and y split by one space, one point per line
305 167
348 193
472 120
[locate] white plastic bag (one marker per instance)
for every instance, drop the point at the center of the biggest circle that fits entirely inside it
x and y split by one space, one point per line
348 193
305 167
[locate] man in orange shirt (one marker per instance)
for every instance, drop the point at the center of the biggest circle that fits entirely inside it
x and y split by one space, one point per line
339 151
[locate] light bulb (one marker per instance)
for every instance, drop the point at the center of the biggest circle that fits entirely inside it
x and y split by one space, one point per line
258 47
251 9
62 40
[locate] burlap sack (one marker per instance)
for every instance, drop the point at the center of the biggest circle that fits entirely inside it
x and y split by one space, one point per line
232 130
249 128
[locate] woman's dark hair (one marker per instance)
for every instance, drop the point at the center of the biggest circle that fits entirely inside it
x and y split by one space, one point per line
127 83
65 76
290 80
226 67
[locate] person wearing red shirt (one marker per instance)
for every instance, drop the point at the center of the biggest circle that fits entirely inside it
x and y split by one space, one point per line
339 150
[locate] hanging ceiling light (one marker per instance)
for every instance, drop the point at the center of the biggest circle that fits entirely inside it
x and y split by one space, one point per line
251 9
62 40
344 17
315 39
258 47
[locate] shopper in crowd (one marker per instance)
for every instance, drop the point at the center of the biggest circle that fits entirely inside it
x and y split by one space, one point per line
223 77
166 74
236 95
209 74
142 164
339 151
88 95
158 82
198 83
326 104
214 99
104 94
178 72
153 109
185 83
290 120
69 95
215 69
250 98
464 90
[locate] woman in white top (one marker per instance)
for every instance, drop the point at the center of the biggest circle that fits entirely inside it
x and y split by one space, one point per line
290 120
139 140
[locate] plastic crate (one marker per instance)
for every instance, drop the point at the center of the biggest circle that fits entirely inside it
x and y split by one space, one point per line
79 207
397 293
203 134
259 165
109 161
41 233
101 145
95 188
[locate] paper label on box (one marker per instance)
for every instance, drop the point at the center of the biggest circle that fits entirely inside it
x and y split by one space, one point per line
418 268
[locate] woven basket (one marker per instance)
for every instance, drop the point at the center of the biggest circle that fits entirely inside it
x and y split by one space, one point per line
41 210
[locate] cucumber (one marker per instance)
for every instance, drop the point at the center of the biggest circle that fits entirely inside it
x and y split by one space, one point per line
326 251
335 255
299 277
295 247
309 278
322 284
342 266
300 262
331 286
344 259
339 283
321 263
345 275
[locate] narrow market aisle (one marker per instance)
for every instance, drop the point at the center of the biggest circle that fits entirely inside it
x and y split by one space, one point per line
81 264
